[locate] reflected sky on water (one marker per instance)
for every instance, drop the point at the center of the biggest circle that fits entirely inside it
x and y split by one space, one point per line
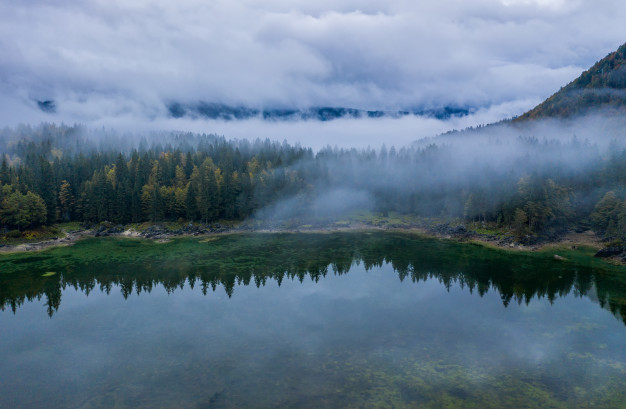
364 338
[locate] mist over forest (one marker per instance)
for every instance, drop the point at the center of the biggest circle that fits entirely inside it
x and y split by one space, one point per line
308 114
536 179
346 203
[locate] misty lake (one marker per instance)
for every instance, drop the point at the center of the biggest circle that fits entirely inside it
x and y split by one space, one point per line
336 320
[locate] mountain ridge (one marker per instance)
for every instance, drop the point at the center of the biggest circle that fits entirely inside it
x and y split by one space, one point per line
214 110
603 86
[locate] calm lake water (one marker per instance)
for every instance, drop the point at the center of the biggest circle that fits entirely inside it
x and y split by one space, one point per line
342 320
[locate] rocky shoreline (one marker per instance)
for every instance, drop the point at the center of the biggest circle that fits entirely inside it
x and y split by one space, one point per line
573 239
69 239
457 232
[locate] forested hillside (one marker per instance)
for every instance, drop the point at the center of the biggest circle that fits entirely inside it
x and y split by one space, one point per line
602 86
53 174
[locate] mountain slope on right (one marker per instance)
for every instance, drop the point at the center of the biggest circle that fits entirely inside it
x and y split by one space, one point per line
602 87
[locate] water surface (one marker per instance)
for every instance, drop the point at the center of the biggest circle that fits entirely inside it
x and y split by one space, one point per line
361 320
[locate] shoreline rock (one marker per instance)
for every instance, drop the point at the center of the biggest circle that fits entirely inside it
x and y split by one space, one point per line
458 232
614 252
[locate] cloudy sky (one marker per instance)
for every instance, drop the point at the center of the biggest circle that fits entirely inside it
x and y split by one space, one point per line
115 58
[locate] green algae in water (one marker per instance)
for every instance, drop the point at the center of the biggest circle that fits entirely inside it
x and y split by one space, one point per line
373 320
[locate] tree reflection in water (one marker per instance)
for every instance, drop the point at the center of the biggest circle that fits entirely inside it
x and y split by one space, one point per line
138 266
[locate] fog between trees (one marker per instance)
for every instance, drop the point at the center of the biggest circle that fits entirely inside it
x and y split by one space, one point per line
541 178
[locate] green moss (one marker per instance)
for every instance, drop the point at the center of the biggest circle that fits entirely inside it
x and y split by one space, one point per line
490 228
402 375
69 226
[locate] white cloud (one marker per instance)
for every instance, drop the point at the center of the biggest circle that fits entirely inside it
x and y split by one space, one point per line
543 3
104 58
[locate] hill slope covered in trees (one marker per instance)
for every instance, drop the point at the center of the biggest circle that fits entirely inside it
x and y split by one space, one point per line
602 86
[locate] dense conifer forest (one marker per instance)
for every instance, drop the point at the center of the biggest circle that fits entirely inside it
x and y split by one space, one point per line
52 174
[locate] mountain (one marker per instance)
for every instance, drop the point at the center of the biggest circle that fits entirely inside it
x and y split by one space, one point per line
212 110
603 86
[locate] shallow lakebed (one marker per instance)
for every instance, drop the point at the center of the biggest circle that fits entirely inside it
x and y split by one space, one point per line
337 320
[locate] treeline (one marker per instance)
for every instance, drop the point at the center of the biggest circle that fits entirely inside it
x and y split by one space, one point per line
218 180
55 174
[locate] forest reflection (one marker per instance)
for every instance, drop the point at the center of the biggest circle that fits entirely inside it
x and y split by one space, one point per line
255 259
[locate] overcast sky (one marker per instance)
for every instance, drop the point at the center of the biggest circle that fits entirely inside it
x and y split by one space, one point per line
117 58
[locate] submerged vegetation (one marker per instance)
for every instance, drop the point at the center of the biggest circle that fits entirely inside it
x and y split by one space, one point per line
361 319
224 261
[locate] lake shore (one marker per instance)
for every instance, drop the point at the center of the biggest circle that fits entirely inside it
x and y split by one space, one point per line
69 239
457 233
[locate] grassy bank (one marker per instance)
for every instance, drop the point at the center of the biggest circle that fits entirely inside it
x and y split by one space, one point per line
486 234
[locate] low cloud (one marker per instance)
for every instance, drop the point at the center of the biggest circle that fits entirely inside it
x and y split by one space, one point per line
114 59
435 175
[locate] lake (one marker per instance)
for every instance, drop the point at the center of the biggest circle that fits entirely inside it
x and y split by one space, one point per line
310 320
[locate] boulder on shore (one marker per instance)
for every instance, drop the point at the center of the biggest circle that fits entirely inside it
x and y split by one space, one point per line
611 251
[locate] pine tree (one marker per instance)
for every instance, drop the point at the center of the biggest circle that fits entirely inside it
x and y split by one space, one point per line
191 205
605 216
123 197
5 177
66 200
46 189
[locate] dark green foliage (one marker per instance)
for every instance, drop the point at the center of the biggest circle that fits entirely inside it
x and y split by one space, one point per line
123 192
66 201
4 172
609 216
545 203
191 203
14 234
22 210
206 178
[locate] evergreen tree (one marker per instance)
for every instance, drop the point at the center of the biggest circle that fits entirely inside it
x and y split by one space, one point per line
191 203
5 177
606 214
123 198
46 189
66 200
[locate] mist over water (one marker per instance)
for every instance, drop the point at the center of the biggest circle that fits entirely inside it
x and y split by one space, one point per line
295 320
